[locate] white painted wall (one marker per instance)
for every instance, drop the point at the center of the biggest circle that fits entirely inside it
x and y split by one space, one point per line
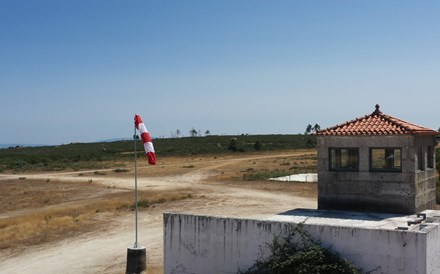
203 244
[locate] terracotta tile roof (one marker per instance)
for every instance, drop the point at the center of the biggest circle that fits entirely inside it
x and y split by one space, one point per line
376 123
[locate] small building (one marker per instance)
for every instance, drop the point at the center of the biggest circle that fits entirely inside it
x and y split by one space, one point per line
377 163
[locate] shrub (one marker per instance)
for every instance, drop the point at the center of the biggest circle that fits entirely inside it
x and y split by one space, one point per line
297 253
120 170
233 145
258 146
99 173
143 203
437 192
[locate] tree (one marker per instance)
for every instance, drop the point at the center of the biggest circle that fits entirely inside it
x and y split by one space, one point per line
312 129
309 129
177 133
316 128
193 133
207 132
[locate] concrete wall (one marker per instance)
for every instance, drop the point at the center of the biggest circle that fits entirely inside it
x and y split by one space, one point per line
405 192
203 244
425 180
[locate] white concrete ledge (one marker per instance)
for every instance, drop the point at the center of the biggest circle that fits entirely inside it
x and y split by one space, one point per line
204 244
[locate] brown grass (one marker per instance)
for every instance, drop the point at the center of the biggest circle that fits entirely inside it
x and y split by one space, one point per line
68 213
299 161
40 211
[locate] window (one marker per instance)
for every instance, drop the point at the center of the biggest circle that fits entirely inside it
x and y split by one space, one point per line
385 159
344 159
430 157
421 159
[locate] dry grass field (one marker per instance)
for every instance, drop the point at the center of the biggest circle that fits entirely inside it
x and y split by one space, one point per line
83 221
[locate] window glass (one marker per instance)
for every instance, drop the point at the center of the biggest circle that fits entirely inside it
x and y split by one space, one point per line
430 157
344 159
397 158
386 159
421 159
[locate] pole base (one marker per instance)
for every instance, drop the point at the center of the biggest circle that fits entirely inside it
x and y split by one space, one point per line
136 260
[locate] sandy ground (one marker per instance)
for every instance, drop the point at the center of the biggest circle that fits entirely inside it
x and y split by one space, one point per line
104 250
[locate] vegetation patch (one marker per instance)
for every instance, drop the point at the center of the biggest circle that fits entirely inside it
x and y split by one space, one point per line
437 192
118 170
302 163
87 156
298 253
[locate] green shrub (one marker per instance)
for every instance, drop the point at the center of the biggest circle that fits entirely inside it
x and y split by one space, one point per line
258 146
437 192
143 203
120 170
298 253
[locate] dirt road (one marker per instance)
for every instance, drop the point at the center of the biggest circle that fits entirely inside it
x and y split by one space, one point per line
104 251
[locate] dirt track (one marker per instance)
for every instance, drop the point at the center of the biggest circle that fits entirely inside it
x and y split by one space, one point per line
104 251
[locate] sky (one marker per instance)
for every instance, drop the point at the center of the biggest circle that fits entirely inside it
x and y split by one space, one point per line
78 71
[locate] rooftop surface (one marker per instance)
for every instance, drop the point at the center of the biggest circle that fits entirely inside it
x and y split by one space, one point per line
363 220
376 123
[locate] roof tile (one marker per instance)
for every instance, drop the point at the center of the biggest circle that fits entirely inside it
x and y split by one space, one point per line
376 123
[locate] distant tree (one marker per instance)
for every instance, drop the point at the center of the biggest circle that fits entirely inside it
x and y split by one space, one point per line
309 129
258 146
316 128
177 133
193 133
207 132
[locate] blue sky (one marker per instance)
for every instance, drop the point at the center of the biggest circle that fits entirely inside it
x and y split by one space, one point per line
78 71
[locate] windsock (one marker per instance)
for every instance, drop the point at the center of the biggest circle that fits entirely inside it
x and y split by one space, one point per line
146 139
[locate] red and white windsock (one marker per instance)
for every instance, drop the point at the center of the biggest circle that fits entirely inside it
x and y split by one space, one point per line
146 139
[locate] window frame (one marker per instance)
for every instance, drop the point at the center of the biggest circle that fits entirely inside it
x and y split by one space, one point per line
385 168
332 168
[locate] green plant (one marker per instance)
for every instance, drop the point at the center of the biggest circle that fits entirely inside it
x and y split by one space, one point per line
120 170
298 253
233 145
99 173
258 145
437 191
143 203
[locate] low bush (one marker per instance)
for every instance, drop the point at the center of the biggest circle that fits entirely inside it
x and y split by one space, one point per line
120 170
298 253
437 192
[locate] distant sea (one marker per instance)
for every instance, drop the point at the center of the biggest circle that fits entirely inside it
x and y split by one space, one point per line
40 145
21 145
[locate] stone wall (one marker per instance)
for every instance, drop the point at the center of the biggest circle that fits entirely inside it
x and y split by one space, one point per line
405 192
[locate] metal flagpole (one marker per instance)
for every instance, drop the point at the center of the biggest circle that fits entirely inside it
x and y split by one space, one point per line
136 255
136 244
